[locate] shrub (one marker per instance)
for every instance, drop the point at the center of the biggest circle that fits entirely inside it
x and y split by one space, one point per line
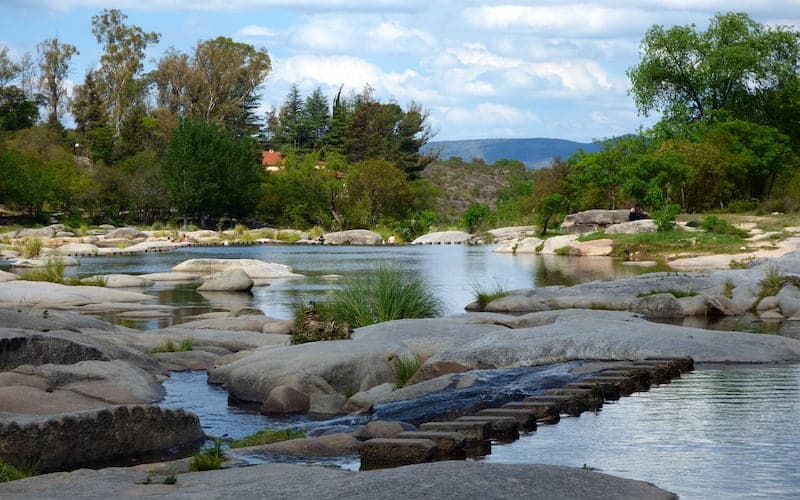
405 369
714 224
388 294
315 322
53 271
727 288
665 217
268 436
31 247
483 296
208 459
474 217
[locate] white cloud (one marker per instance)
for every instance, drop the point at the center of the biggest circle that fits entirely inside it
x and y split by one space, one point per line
325 33
488 114
393 33
354 73
226 5
254 31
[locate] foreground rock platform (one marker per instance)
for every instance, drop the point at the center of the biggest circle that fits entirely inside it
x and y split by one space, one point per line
435 480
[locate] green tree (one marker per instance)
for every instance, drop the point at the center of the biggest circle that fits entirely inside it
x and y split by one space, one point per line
376 189
209 173
548 207
8 68
316 119
16 111
121 63
731 66
54 59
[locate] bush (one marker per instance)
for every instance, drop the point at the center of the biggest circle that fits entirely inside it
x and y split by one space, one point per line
268 436
772 283
665 217
388 294
208 459
315 322
474 217
714 224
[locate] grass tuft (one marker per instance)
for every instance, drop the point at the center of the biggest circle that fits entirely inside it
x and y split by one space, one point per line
483 295
387 295
772 283
31 247
268 436
714 224
405 369
10 472
208 459
170 346
727 288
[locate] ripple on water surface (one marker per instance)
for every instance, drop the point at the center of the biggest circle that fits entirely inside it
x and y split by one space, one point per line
729 432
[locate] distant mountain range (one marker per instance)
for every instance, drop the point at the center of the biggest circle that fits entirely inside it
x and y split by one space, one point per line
534 153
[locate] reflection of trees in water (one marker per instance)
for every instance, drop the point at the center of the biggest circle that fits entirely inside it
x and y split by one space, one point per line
549 275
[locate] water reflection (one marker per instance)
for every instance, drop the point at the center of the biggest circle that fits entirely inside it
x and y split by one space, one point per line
453 270
727 432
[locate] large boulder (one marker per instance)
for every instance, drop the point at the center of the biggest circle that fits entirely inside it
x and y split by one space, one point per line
353 237
527 245
344 364
633 227
285 400
43 261
232 280
557 244
258 270
128 233
594 248
122 281
44 295
442 237
78 249
69 440
593 220
512 233
659 305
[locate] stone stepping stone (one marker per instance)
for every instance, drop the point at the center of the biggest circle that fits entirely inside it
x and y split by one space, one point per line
544 412
504 428
475 432
380 453
450 444
525 418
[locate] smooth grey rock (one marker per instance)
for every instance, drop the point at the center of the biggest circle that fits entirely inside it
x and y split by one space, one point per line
633 227
171 277
278 326
6 276
554 245
767 303
285 400
660 305
123 281
41 294
78 249
448 479
330 445
528 245
593 220
723 306
257 270
594 248
129 233
512 232
353 237
442 237
250 323
233 280
382 429
789 300
516 303
42 261
693 306
363 401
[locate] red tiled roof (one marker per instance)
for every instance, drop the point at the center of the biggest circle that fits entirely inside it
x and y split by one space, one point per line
271 158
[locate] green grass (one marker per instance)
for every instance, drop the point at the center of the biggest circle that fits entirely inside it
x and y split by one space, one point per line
208 459
31 247
483 295
10 472
387 294
315 322
170 346
714 224
53 272
668 242
405 369
727 288
772 283
678 294
268 436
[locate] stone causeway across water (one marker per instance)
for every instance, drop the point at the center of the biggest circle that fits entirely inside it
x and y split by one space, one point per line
472 436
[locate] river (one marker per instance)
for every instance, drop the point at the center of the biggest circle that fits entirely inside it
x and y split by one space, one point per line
719 432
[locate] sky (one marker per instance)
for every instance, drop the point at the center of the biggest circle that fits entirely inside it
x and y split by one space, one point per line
509 69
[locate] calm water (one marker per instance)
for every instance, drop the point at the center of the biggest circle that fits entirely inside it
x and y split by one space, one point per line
453 270
730 432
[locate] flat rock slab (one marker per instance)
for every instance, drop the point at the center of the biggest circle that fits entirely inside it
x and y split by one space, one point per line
430 480
42 294
449 443
475 432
